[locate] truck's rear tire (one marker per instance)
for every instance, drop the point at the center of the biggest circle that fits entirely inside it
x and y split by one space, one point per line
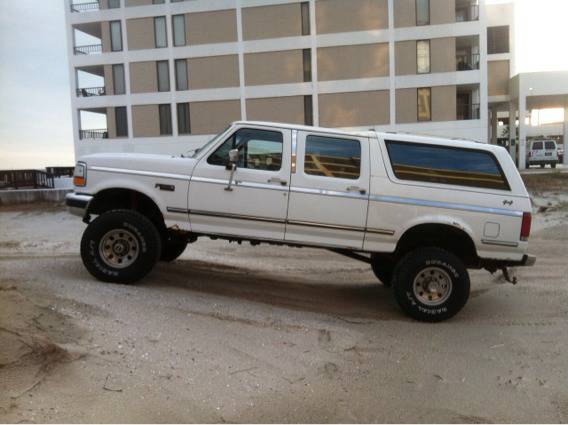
431 284
120 246
382 268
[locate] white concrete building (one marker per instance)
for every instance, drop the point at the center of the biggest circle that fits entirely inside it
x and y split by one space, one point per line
170 73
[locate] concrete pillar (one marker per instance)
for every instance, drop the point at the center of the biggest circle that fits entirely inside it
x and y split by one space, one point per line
493 126
522 133
565 161
512 129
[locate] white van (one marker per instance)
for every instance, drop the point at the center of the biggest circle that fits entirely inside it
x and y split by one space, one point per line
542 152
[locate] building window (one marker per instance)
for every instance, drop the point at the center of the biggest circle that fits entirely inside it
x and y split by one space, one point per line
305 18
307 64
163 71
498 39
165 111
178 23
445 165
181 74
121 121
422 12
115 36
308 110
424 104
113 4
332 157
184 123
259 150
118 81
160 36
423 56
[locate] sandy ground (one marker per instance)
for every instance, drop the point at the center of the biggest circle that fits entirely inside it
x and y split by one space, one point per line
268 334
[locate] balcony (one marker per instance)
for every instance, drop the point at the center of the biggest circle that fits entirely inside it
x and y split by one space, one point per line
81 7
467 53
91 91
93 134
87 38
467 62
467 10
467 111
89 49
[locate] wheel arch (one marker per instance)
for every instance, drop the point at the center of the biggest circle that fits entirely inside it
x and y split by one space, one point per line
449 235
126 198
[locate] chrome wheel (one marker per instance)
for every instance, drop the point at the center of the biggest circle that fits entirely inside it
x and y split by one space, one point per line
432 286
119 248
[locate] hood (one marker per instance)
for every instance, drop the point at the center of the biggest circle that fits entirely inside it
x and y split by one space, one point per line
166 164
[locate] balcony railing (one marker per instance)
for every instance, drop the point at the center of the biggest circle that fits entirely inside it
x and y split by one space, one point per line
467 62
93 134
91 91
467 13
85 7
91 49
467 111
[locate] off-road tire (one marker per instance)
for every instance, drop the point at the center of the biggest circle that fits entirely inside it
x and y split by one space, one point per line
172 248
408 282
144 235
382 268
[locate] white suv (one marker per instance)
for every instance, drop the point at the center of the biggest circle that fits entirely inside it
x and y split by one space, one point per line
542 152
419 210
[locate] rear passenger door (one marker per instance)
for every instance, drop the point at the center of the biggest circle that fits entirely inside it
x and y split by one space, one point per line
329 190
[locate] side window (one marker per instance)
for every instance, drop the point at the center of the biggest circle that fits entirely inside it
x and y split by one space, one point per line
332 157
258 149
446 165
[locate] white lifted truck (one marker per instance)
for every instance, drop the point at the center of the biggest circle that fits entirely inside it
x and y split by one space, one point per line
420 210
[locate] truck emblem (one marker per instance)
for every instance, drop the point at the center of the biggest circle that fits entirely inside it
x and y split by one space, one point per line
505 202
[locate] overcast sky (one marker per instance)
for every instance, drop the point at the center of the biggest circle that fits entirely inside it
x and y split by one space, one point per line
35 112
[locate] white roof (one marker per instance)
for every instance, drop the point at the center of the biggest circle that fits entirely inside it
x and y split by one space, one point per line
402 136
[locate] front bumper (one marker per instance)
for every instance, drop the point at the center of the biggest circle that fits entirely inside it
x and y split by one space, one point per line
77 203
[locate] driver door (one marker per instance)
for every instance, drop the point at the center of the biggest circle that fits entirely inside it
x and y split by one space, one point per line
256 205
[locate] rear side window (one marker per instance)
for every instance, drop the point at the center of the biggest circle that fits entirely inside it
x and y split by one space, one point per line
332 157
550 145
446 165
537 146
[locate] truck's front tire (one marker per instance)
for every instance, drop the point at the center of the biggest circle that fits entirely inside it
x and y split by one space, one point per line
431 284
172 248
382 268
120 246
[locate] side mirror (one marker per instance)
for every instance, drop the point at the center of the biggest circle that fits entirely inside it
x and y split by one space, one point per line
233 156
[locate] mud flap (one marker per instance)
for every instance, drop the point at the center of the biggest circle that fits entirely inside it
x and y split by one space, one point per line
509 274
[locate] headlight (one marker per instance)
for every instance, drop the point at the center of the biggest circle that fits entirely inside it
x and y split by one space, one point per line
80 174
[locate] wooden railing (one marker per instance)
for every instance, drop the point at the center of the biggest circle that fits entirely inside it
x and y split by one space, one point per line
25 179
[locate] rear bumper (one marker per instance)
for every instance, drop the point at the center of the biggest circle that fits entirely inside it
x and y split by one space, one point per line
528 260
77 203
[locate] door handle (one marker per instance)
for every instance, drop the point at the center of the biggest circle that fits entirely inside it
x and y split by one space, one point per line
356 189
278 180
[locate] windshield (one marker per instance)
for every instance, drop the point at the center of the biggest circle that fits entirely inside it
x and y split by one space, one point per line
192 153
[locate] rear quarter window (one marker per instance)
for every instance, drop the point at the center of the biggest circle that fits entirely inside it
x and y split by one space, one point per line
446 165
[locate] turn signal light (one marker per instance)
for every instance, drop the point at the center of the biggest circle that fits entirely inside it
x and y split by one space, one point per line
79 181
526 226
